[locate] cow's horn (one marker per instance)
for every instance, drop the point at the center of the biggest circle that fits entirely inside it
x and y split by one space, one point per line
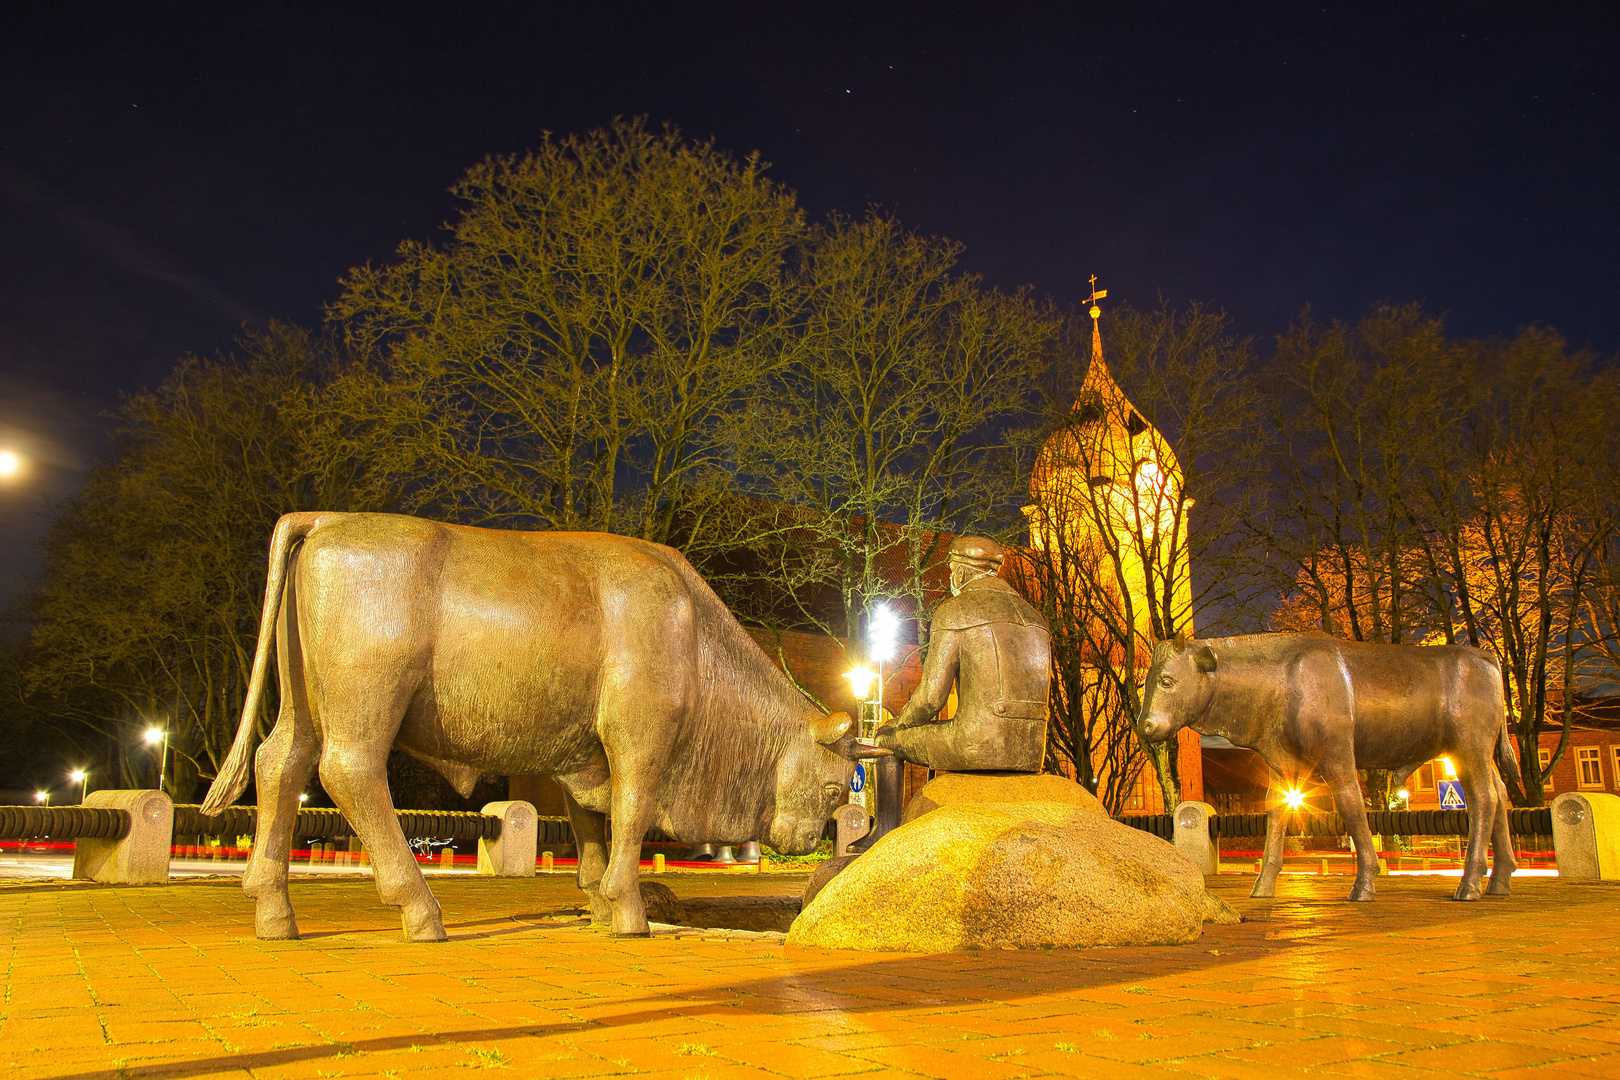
830 728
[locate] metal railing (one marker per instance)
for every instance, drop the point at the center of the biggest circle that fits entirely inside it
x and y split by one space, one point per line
1522 821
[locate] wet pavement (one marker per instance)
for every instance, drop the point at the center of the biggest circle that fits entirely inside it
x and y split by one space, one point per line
168 981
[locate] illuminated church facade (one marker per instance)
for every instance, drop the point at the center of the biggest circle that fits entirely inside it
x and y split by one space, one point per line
1107 503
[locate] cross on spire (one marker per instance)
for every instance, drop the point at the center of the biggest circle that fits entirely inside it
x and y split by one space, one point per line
1094 297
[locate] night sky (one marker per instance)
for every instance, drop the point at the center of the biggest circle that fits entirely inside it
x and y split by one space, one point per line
169 173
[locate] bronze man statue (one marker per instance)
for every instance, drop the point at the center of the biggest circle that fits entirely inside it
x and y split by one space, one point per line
995 647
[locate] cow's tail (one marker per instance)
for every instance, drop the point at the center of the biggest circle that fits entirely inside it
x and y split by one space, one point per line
1507 758
233 774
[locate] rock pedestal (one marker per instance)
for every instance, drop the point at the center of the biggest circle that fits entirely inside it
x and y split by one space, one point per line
997 860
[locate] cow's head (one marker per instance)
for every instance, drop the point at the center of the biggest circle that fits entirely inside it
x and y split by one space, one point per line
812 778
1179 685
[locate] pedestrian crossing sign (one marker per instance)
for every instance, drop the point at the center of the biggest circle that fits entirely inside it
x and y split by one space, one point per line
1451 795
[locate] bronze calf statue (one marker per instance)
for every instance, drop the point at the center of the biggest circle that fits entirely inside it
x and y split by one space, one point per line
1308 702
601 660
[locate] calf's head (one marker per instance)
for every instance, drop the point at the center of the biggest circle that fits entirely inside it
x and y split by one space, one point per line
1179 685
812 778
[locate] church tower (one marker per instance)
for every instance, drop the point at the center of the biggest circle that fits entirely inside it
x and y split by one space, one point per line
1106 502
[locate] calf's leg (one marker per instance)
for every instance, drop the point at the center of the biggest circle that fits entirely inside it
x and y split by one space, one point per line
1479 786
355 774
1276 825
1347 800
282 767
1503 863
590 831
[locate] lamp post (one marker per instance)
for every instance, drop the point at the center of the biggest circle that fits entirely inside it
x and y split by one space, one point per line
82 778
42 797
153 737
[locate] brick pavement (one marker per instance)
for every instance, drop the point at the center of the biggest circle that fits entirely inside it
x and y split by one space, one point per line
169 982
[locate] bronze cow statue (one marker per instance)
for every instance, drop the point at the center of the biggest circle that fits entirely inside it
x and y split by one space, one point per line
601 660
1307 702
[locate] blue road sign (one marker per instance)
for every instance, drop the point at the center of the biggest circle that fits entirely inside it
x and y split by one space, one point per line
1451 795
859 783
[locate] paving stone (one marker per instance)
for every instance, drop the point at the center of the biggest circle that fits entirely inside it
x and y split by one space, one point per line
168 981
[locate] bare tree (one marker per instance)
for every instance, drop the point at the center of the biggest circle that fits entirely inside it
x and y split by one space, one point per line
573 355
1135 493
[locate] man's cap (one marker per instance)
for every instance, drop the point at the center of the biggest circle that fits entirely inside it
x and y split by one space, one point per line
979 549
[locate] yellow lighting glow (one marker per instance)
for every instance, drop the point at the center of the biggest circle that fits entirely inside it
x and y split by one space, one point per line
303 798
1294 797
154 736
77 776
41 796
11 463
861 681
1451 770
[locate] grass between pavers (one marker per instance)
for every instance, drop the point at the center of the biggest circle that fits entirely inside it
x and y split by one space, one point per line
168 981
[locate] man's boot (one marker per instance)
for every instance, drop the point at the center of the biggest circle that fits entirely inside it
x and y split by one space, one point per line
888 770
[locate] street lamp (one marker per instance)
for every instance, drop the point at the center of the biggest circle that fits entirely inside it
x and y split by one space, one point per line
153 737
43 797
860 680
11 464
82 778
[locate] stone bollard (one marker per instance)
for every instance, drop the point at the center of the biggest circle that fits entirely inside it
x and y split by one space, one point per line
447 858
1586 836
546 862
142 857
658 862
1193 839
853 823
512 853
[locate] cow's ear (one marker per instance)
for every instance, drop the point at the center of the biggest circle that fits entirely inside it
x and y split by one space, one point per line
1204 659
828 729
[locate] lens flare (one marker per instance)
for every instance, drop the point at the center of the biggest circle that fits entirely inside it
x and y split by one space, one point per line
1294 797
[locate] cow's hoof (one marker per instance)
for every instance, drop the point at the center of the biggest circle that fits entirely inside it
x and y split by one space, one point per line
1468 890
1263 890
275 925
631 927
601 910
424 924
1498 888
423 930
1361 893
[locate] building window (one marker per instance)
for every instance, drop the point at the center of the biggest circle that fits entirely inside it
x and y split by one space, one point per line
1423 779
1544 755
1588 767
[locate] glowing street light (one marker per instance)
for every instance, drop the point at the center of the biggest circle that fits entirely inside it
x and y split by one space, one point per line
861 682
43 797
155 735
11 464
303 797
882 635
82 778
1294 797
883 632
